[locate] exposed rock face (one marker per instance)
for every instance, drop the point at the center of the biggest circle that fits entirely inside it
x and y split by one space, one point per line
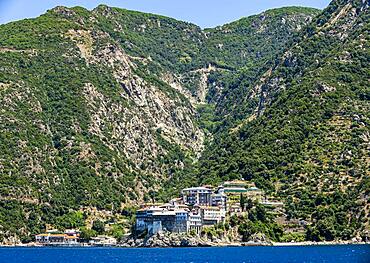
117 98
99 107
196 79
341 21
130 118
186 240
259 238
84 124
64 11
252 38
309 125
147 109
173 240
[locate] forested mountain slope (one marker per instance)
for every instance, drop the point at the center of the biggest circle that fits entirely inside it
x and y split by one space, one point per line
98 108
82 123
307 139
110 107
247 48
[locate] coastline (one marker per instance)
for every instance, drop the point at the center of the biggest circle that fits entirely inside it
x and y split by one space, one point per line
325 243
210 244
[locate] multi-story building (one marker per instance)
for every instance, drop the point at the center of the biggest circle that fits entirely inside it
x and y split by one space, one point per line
219 200
233 190
195 221
181 221
144 217
207 208
212 215
48 238
161 222
197 196
233 187
156 220
68 238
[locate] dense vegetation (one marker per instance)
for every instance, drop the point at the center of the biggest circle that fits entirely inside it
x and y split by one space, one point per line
287 106
311 143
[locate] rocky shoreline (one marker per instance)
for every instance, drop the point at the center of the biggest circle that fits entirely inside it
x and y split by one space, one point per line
195 244
183 240
187 240
171 240
175 240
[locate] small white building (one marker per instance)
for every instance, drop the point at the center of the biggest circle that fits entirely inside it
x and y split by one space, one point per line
103 241
54 237
50 239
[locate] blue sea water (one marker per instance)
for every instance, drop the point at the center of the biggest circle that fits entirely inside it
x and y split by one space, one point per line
327 254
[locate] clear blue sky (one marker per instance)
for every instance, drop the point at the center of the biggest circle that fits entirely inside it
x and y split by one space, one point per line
205 13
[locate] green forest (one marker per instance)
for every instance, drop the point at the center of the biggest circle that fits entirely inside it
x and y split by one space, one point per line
285 105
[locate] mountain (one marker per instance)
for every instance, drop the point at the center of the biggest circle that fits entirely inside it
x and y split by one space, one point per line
106 108
307 137
245 48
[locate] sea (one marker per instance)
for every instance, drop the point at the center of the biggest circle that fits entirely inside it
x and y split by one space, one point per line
327 254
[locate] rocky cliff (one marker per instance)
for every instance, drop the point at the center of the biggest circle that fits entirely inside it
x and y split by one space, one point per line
306 136
108 107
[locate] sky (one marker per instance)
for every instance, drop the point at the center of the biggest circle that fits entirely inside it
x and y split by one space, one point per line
204 13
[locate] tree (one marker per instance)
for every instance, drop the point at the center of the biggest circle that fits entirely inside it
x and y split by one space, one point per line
242 202
326 229
86 234
313 234
71 220
98 226
152 195
261 213
247 229
249 204
117 231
